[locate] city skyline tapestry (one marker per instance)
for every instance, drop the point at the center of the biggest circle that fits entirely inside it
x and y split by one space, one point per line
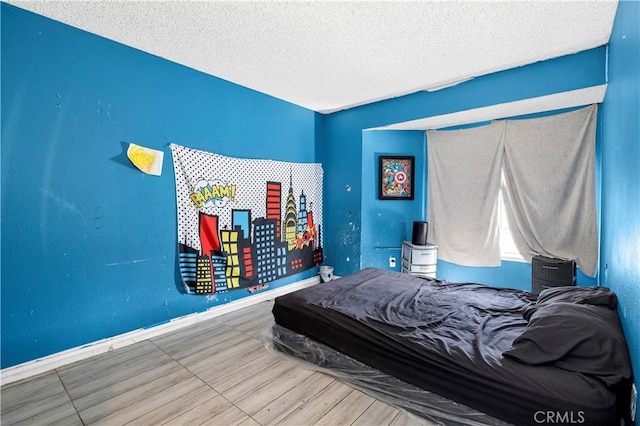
243 223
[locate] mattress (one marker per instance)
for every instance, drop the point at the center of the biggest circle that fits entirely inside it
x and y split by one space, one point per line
449 339
439 411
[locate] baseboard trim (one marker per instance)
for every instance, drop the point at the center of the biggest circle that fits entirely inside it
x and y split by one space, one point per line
59 359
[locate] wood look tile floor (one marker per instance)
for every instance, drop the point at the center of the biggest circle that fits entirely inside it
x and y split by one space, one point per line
216 372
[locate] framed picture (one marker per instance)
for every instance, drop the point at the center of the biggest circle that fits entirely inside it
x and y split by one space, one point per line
395 177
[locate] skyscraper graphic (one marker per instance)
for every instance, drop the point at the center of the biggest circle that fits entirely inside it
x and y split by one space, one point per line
241 219
241 222
209 243
264 240
302 214
238 226
290 218
252 252
208 228
318 257
247 269
310 231
281 259
274 192
230 248
203 275
218 263
187 262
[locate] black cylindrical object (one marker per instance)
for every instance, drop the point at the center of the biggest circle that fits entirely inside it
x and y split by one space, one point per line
420 231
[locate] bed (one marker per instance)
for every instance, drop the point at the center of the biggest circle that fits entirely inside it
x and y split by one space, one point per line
465 353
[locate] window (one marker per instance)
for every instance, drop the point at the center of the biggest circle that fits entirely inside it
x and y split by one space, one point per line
555 212
508 249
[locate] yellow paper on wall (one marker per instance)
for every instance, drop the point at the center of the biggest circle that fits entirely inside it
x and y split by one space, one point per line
146 160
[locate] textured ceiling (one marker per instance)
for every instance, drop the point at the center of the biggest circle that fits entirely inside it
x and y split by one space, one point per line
332 55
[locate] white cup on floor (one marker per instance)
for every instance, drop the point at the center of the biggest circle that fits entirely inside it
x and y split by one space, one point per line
326 273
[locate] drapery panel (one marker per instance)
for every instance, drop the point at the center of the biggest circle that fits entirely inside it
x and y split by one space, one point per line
464 172
549 192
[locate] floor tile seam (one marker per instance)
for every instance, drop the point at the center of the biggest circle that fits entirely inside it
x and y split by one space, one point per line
64 370
250 325
202 380
243 319
128 406
118 351
234 405
340 400
208 384
181 370
306 400
168 421
293 385
230 335
261 336
228 373
81 389
373 400
195 365
395 417
151 373
198 348
185 367
36 408
71 400
196 335
258 388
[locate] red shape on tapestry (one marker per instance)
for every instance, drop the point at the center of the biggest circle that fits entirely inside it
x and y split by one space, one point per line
209 240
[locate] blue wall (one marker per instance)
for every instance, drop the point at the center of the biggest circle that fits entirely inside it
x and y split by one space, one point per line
620 246
345 183
386 223
88 242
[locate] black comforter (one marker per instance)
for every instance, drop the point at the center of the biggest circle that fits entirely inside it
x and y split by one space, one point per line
471 343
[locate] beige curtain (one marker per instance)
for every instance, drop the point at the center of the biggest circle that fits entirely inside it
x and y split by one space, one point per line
549 191
464 168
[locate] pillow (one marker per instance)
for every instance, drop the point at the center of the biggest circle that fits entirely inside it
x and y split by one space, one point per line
599 296
576 337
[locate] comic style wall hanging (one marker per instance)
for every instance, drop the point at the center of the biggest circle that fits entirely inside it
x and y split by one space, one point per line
243 223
